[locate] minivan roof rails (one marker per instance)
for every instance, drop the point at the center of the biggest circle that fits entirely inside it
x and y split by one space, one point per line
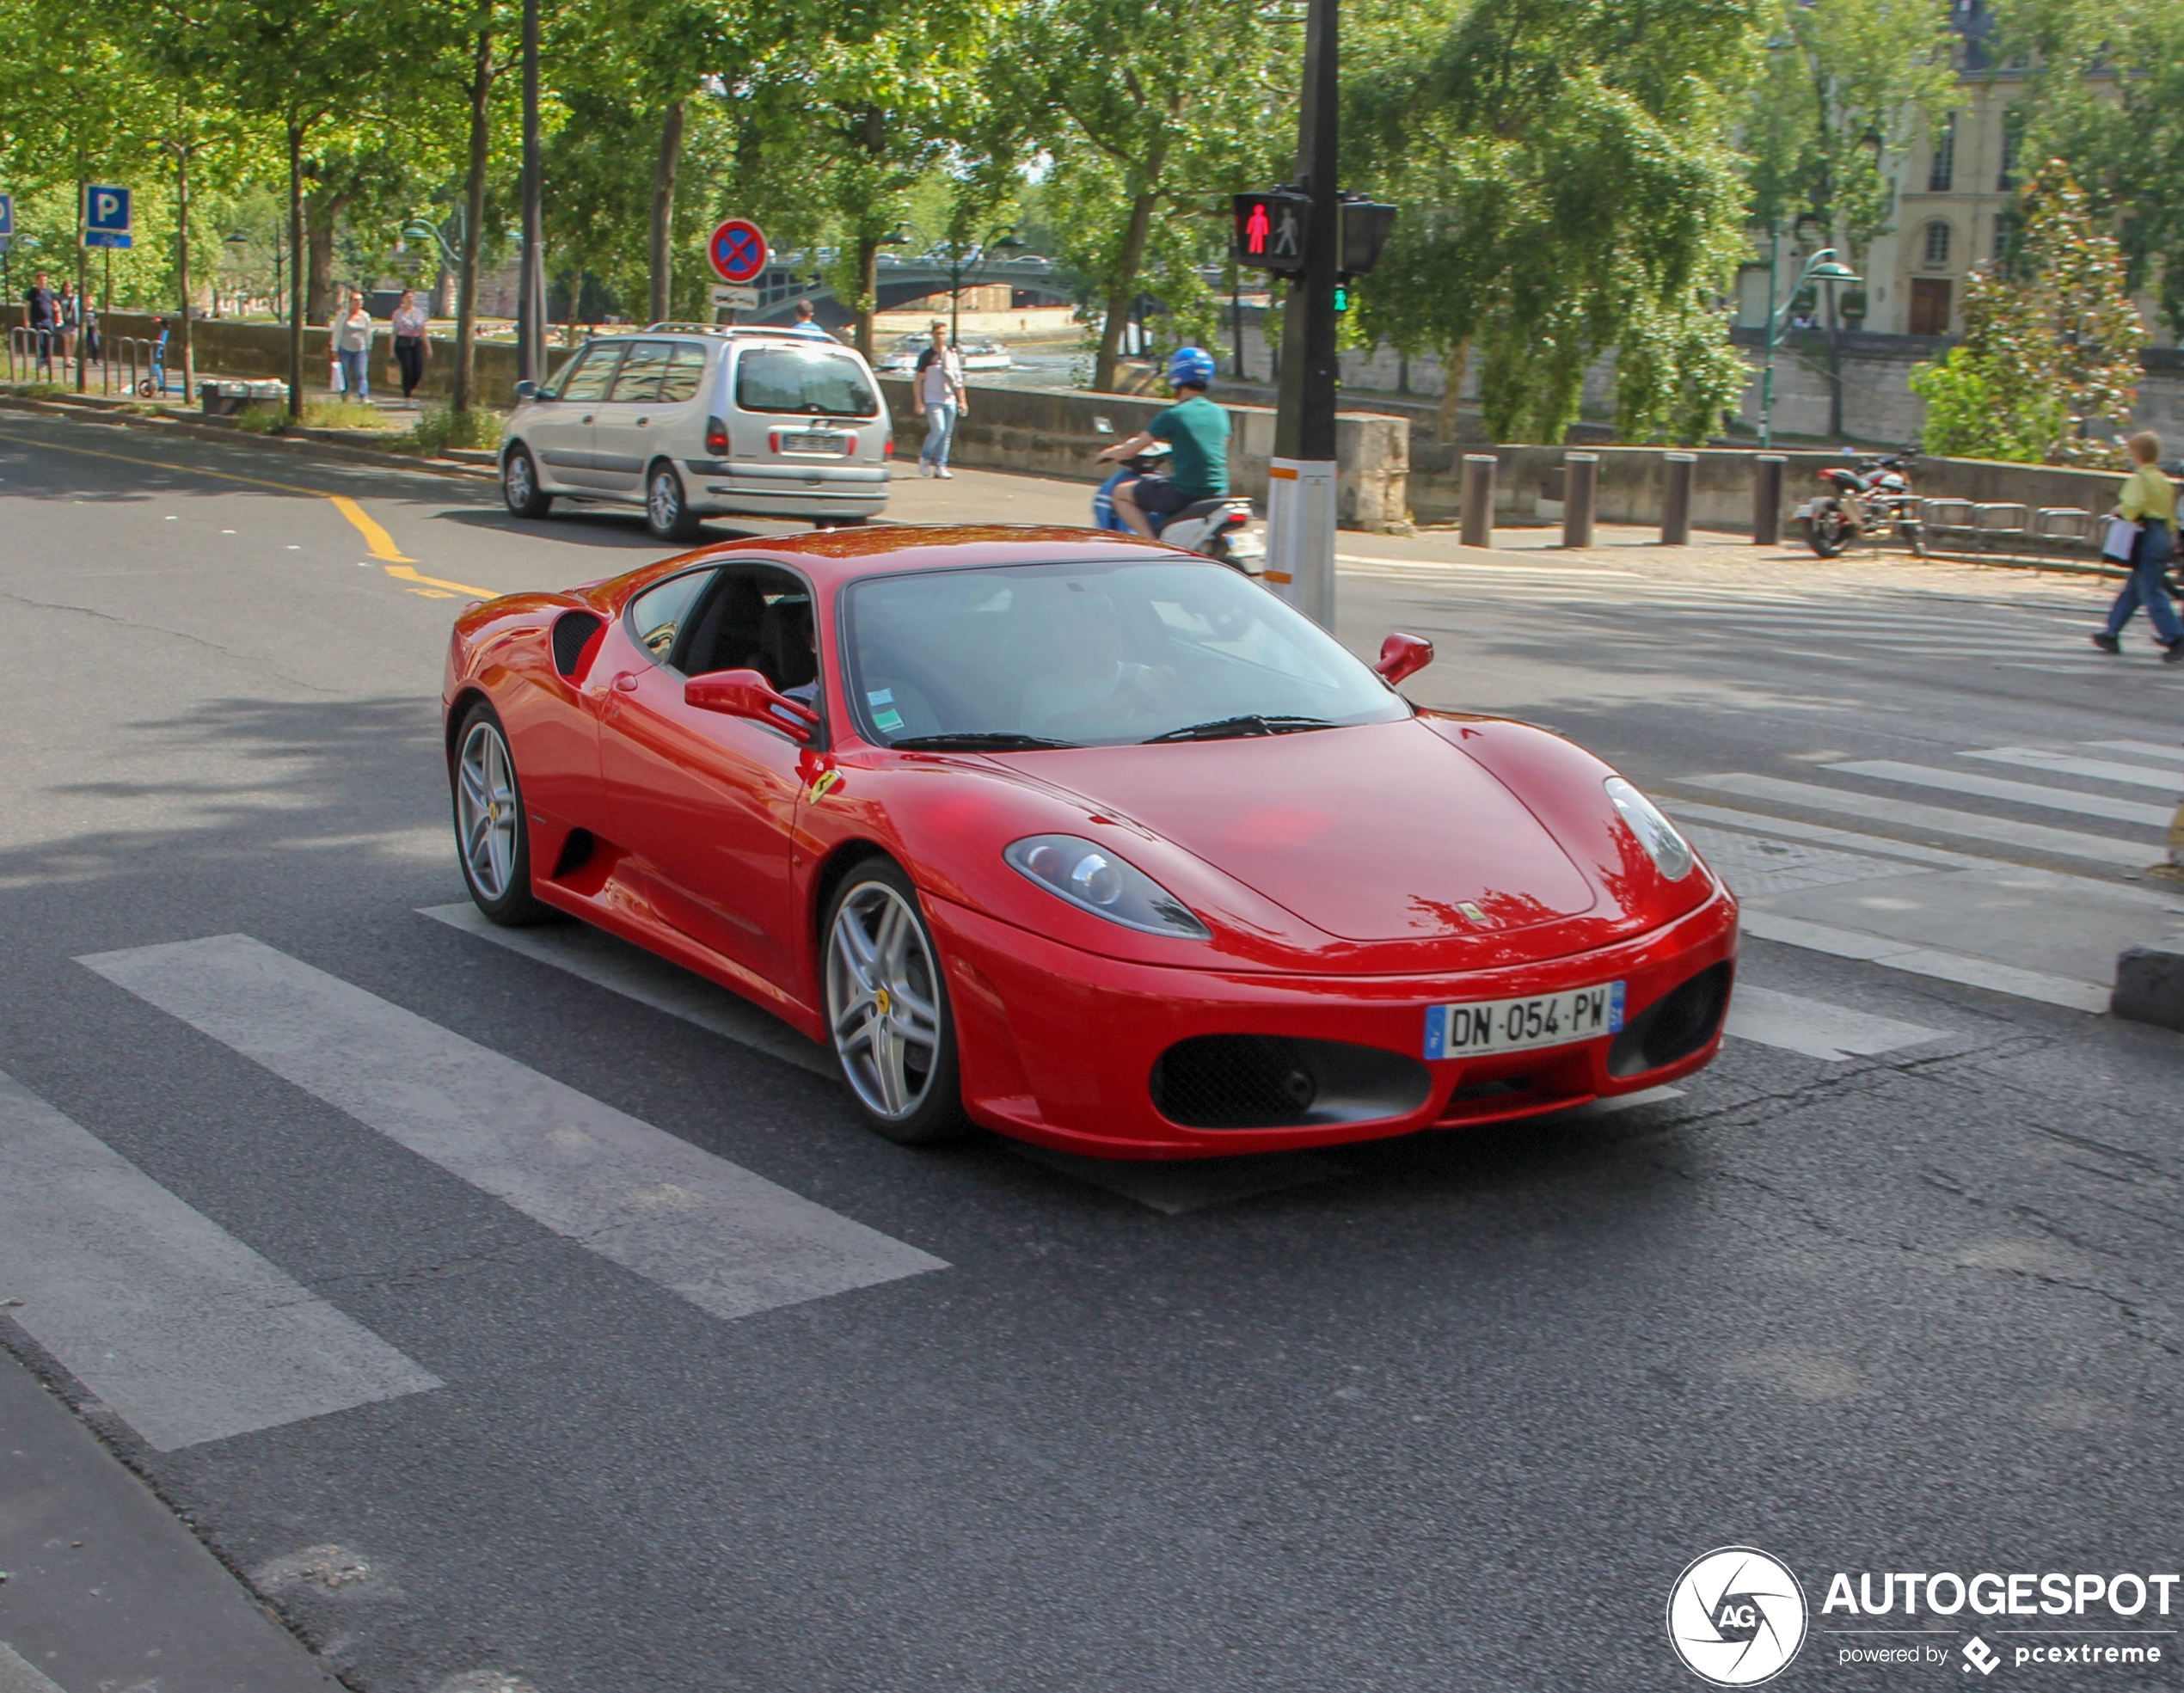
716 329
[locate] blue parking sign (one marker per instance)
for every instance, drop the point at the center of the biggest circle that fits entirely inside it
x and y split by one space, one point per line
106 216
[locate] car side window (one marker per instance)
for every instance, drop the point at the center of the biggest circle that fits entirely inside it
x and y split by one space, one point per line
642 366
593 370
656 615
686 372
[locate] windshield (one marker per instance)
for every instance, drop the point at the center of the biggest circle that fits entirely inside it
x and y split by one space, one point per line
1094 654
809 381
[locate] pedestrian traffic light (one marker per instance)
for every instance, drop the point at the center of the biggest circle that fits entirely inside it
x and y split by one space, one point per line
1342 297
1365 225
1272 230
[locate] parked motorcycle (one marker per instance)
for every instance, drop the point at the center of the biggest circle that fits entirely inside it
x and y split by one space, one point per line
1220 528
1872 498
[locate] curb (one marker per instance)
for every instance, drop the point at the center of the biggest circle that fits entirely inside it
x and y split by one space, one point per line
305 443
2149 987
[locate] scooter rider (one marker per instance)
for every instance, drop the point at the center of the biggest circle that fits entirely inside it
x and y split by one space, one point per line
1197 432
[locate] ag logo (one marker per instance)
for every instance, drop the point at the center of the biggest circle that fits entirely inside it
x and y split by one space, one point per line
1736 1616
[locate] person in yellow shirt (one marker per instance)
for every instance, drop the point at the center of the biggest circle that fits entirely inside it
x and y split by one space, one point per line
2149 499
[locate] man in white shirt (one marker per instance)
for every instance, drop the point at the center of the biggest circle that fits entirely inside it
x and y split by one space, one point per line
937 395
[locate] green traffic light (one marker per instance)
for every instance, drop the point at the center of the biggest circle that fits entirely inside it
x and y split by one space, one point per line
1342 297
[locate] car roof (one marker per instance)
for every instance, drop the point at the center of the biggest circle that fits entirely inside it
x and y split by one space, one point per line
833 556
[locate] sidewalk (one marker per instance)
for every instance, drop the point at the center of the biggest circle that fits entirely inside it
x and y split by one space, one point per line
105 1591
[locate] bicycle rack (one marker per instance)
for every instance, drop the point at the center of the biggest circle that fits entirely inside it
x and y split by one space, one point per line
1999 518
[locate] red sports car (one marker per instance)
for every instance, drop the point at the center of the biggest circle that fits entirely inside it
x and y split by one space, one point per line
1082 838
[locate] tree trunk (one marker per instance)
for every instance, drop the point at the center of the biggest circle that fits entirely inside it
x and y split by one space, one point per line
181 264
1453 362
867 290
325 214
295 271
1122 284
663 214
466 309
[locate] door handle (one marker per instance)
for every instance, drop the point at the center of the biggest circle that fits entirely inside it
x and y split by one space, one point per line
642 421
626 683
586 417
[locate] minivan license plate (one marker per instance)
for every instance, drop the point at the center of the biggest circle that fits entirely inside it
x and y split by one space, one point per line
1519 1025
832 444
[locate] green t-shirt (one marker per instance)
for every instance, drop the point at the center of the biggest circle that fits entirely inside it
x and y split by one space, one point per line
1197 430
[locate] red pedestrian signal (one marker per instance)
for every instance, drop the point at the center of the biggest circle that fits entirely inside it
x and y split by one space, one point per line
1272 230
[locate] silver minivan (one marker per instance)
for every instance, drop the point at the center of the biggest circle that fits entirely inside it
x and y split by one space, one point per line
690 420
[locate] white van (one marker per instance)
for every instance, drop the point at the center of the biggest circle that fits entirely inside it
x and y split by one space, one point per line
690 420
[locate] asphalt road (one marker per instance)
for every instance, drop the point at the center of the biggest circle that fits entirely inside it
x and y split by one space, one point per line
1893 1286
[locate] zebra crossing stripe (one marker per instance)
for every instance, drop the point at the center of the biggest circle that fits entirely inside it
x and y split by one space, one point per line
1940 819
1945 967
188 1334
1816 1028
2093 769
724 1238
2016 792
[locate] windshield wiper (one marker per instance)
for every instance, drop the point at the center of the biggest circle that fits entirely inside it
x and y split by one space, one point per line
982 740
1255 723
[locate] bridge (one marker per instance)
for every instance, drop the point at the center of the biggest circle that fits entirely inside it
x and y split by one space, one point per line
784 282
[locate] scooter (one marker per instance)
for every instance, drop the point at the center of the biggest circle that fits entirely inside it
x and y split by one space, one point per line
1220 528
1874 499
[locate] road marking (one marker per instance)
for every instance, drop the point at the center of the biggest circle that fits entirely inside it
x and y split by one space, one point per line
2144 748
1465 568
725 1239
1755 866
405 574
1816 1028
19 1675
2036 836
2068 763
2017 793
608 961
183 1329
1763 824
1978 973
380 543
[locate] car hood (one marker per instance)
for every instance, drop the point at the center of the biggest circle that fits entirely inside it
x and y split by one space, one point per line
1382 832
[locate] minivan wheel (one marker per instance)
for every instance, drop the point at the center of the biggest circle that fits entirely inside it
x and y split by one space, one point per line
519 485
668 514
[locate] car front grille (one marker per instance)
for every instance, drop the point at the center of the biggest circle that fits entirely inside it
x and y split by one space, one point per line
1283 1082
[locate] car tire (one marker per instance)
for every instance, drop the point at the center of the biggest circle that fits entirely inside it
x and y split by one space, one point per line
887 1012
519 488
492 828
668 511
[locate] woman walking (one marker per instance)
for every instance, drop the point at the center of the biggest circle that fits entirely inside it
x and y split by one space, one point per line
2149 499
67 314
351 336
412 348
937 395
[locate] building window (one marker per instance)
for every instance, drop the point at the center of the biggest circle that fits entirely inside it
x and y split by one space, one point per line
2008 178
1937 245
1943 172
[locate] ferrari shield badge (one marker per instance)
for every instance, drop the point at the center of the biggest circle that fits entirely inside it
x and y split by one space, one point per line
824 784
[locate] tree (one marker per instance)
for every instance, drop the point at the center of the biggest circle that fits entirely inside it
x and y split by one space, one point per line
1568 191
2051 343
1154 112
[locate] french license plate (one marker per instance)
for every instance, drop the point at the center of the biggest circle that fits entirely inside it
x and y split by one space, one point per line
1519 1025
803 443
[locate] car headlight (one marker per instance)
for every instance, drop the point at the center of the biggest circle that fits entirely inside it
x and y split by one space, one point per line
1669 851
1091 877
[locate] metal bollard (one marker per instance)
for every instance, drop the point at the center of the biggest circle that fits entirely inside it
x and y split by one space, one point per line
1676 470
1767 500
1478 500
1580 494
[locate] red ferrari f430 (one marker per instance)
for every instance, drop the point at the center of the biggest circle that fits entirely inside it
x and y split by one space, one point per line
1084 839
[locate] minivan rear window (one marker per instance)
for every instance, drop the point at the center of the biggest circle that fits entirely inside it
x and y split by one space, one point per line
807 382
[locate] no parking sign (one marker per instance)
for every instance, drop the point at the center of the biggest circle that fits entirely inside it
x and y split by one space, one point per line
737 250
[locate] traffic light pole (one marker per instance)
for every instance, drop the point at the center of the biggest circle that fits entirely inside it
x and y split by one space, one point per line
1300 498
531 273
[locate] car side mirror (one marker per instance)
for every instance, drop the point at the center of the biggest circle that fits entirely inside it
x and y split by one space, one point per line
526 390
746 693
1403 655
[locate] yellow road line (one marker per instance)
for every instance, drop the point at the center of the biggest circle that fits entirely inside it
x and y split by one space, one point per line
404 573
381 543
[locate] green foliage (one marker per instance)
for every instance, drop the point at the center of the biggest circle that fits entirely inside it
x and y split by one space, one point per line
440 427
2050 353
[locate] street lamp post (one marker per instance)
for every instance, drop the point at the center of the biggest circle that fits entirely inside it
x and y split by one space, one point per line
1822 266
531 284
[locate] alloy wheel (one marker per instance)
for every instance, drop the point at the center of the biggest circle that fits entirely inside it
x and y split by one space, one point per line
486 810
665 502
515 480
883 1000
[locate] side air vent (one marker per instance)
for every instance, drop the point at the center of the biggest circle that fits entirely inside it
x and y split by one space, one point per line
571 634
1674 1027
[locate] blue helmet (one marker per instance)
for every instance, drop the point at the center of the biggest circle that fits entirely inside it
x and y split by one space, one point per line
1192 365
